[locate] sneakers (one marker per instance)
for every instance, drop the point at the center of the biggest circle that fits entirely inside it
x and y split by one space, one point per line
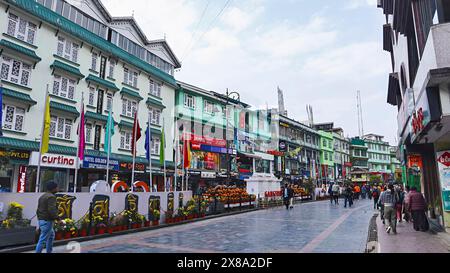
388 229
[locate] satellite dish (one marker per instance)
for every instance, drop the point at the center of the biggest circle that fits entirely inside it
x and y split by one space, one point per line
100 186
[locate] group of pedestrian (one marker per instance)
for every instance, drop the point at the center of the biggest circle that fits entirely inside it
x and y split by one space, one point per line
397 204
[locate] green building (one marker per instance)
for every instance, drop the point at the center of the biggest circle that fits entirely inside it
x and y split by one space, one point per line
326 156
359 160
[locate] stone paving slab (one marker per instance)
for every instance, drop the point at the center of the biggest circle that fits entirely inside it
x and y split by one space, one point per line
309 227
408 240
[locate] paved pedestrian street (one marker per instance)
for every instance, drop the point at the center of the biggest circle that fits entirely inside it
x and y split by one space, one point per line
309 227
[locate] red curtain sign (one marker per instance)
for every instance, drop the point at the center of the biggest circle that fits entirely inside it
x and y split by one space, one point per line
22 180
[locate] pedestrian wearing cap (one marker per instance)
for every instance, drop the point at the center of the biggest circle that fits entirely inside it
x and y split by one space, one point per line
47 214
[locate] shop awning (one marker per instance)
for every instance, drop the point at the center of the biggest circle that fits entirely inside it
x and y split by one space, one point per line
249 155
101 82
265 156
98 117
131 93
25 52
73 71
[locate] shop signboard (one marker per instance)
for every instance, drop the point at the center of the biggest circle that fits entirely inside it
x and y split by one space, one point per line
208 175
95 162
22 179
53 160
443 160
196 139
19 155
125 166
64 203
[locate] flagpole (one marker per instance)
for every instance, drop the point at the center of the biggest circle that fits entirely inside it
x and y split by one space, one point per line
182 164
78 146
109 147
38 180
150 152
134 146
177 142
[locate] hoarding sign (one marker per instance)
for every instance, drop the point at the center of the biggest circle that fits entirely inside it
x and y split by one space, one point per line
53 160
94 162
443 161
22 179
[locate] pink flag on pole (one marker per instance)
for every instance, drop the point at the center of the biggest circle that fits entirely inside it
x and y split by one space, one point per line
81 135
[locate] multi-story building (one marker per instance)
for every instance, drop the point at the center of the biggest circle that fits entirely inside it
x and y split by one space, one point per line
342 161
300 145
359 160
396 166
207 121
416 35
379 156
82 54
326 157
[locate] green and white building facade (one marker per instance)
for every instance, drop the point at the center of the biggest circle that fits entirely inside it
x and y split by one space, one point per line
81 53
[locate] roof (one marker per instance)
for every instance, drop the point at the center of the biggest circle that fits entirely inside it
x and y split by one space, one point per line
74 71
168 49
18 96
132 21
131 93
20 49
297 123
109 85
155 102
64 108
85 35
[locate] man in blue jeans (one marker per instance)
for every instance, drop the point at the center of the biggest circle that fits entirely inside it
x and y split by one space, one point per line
47 214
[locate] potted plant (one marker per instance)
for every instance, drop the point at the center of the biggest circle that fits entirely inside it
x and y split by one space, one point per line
15 230
169 218
59 231
69 228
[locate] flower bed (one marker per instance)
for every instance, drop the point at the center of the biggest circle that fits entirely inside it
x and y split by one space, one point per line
15 230
229 195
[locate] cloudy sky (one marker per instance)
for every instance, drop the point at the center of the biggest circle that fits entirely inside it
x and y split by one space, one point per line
319 53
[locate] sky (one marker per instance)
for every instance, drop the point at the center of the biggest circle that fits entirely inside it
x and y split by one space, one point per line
318 52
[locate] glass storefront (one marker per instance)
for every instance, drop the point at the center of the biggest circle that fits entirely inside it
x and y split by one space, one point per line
59 176
6 177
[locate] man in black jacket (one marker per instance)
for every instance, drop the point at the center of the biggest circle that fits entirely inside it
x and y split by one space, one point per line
47 214
288 193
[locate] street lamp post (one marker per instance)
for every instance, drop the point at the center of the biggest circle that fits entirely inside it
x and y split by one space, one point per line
236 97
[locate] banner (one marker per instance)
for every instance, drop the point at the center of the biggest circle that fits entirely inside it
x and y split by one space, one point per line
64 203
22 179
170 202
443 162
131 202
154 208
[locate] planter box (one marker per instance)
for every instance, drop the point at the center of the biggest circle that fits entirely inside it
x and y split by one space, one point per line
17 236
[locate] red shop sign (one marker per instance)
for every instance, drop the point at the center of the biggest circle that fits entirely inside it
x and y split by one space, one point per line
196 139
417 122
22 180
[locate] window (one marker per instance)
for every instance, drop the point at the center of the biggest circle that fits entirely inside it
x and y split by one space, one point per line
129 107
189 101
21 28
88 134
15 71
109 101
155 89
156 142
125 140
130 77
324 143
13 118
67 49
63 87
208 107
91 97
112 65
60 127
326 155
155 116
94 61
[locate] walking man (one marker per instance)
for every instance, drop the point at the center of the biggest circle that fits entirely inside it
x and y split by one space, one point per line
376 196
417 205
407 216
287 195
330 192
388 199
348 196
47 214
